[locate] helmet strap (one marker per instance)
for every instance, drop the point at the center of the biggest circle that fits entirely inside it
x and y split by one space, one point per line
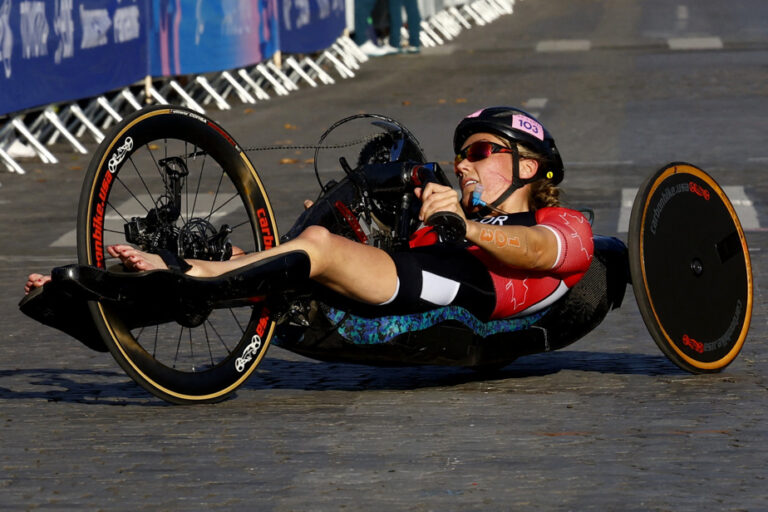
517 183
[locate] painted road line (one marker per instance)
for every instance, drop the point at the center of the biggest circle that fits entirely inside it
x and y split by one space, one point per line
564 45
627 199
600 163
743 205
25 259
68 239
673 43
534 106
133 208
695 43
537 103
682 16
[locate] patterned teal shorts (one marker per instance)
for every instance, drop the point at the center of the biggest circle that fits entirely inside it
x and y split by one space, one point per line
371 331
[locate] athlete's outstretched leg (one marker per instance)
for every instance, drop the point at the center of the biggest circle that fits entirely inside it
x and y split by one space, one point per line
358 271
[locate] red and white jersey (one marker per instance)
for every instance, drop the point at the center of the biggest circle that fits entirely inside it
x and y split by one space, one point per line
523 291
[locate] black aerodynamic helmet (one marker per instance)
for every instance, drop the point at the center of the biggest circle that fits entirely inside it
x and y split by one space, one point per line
518 126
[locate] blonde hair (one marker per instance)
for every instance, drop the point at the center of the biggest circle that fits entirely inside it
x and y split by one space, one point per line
543 195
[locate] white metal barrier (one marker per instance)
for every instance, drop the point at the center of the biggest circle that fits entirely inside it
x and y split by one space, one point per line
27 135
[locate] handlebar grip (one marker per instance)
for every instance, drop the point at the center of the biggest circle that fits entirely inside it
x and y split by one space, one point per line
450 226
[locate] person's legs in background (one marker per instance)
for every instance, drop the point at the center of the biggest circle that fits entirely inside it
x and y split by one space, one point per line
414 25
363 9
396 23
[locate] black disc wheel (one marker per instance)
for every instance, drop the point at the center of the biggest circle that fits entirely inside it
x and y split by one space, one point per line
168 178
690 268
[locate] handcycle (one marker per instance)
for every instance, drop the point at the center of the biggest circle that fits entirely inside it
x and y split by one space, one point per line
172 181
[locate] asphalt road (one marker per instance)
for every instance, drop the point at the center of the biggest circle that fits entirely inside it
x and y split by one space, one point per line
605 424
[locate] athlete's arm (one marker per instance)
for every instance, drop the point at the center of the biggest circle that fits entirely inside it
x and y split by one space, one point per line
534 248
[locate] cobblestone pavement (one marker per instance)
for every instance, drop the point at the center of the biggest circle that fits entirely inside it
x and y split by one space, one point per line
604 424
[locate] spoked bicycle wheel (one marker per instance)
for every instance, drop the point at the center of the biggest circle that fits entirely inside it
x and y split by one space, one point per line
690 267
171 179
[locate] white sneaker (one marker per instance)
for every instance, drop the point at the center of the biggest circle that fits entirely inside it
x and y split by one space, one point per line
388 49
20 150
371 50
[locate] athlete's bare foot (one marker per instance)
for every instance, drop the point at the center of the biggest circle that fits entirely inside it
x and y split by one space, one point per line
130 257
134 259
35 281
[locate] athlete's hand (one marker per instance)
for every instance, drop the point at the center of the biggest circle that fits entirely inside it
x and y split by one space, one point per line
438 198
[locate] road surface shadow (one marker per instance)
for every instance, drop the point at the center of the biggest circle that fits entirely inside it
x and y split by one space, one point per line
115 388
73 386
308 374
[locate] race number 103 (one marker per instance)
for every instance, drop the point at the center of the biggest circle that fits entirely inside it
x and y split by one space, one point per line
528 125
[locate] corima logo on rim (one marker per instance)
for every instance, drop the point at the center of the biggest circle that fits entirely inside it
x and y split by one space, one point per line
250 351
119 155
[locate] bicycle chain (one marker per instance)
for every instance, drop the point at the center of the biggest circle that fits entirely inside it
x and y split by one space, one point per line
312 146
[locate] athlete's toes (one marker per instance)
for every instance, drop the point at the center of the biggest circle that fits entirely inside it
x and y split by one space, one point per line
140 264
120 251
35 281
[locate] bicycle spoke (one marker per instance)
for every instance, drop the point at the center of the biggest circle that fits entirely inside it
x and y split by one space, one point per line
157 335
216 194
225 203
213 328
127 189
114 231
244 223
157 165
191 350
141 178
115 210
208 344
199 181
186 189
237 320
178 345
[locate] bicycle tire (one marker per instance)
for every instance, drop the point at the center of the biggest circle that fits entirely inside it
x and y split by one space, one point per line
180 364
690 267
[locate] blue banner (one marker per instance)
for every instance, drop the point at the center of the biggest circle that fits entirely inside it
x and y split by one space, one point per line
308 26
62 50
55 51
192 36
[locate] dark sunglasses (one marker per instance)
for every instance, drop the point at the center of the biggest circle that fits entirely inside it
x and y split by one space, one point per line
480 150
